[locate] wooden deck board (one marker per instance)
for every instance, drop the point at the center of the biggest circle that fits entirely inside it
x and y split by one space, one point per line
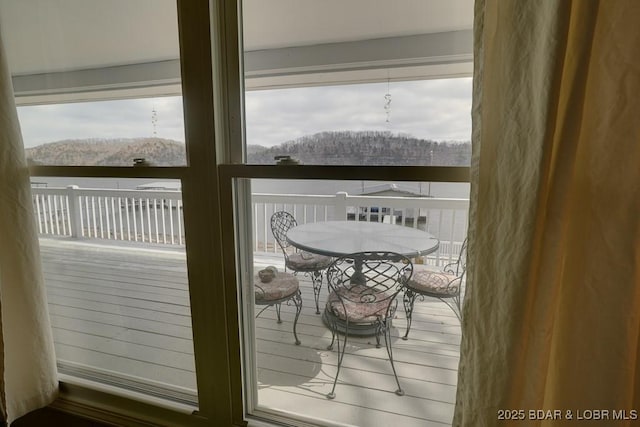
357 413
126 312
149 339
82 295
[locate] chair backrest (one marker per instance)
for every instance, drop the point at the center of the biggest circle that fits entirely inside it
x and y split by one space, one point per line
369 278
281 222
459 267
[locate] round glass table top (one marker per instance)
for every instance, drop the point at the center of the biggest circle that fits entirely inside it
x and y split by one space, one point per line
337 238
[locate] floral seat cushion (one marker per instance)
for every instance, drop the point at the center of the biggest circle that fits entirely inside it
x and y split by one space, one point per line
434 283
282 286
362 306
305 261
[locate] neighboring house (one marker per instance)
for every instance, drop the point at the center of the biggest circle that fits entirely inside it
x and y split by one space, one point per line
390 215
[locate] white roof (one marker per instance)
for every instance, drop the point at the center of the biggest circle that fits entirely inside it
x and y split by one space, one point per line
160 185
381 188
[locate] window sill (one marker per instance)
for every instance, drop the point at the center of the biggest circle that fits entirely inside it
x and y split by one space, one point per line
110 404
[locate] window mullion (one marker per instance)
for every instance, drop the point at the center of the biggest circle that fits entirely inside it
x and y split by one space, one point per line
206 132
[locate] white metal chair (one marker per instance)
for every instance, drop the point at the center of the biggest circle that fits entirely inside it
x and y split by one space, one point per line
299 261
444 285
276 289
362 294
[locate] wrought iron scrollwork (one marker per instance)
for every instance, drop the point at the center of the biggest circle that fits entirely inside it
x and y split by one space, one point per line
281 223
362 291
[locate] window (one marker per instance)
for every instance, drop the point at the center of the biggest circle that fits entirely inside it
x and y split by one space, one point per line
120 60
374 140
112 236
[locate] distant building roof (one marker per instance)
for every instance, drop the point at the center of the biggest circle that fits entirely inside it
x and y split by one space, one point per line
390 188
160 185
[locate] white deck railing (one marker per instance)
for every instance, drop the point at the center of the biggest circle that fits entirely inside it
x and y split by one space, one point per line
154 216
150 216
444 218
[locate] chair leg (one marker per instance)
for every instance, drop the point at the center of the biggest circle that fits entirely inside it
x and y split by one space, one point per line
341 351
387 342
454 305
333 338
408 300
297 300
316 281
457 301
278 312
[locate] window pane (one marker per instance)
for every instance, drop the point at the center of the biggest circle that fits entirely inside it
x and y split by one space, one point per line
352 83
105 133
385 84
97 83
286 378
414 123
116 276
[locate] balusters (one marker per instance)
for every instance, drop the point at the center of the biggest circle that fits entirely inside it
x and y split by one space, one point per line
132 215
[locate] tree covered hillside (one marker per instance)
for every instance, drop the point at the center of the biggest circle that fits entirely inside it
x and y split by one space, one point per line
108 152
368 148
333 148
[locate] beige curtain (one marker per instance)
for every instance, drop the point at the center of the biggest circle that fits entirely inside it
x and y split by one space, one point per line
28 377
552 314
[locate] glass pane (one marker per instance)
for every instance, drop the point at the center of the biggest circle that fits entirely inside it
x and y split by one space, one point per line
426 222
413 123
97 83
385 84
116 276
105 133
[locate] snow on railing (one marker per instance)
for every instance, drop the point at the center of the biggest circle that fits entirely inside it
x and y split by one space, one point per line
155 216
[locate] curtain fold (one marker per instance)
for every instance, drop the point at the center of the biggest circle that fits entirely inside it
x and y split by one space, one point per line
552 311
28 377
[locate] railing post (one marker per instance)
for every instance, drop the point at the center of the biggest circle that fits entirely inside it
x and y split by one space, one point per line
74 211
341 206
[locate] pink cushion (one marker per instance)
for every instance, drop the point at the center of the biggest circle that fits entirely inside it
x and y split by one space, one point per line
358 302
434 282
305 261
283 285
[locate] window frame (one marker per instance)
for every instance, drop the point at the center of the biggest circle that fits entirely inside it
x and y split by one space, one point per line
196 21
212 90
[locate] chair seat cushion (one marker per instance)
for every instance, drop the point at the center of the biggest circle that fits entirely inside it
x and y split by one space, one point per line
434 283
282 286
361 305
305 261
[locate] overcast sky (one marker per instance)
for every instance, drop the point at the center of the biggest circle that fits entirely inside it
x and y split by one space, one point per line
431 109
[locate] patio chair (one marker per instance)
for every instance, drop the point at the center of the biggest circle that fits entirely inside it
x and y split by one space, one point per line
298 261
444 285
362 294
272 288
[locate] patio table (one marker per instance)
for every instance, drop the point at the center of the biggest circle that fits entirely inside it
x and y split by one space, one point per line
339 238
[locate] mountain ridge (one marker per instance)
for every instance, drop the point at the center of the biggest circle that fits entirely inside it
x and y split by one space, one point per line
335 148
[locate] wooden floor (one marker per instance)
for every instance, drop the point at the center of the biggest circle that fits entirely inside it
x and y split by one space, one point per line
121 314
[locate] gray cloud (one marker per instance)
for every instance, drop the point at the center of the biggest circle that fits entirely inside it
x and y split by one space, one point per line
105 119
433 109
